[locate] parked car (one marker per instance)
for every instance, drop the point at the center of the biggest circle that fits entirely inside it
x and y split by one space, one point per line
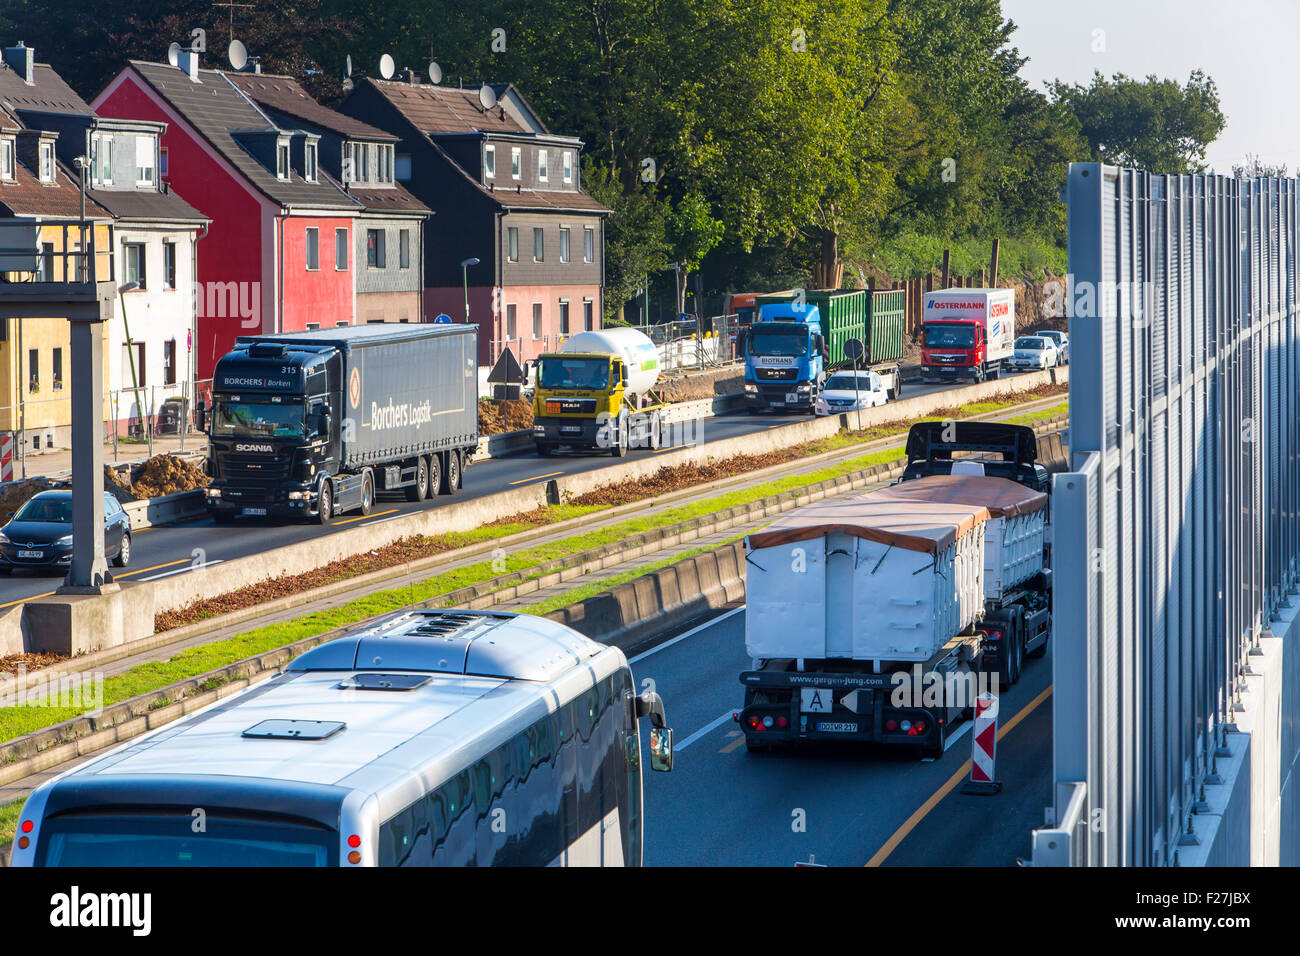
839 395
1033 352
39 535
1062 343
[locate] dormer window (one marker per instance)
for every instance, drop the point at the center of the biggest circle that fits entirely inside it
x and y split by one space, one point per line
568 166
490 162
7 159
101 159
515 162
47 162
541 165
309 163
282 160
144 162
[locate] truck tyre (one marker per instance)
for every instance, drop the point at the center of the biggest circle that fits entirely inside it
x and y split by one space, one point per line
543 449
325 502
656 433
451 481
619 448
367 493
935 749
898 389
417 491
435 475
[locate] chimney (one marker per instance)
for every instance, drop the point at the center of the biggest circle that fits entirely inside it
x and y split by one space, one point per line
22 60
187 61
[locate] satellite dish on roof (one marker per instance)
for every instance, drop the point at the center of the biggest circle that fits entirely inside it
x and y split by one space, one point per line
386 66
435 73
487 96
237 55
174 54
348 71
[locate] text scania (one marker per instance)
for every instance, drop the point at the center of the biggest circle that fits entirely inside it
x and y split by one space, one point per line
399 416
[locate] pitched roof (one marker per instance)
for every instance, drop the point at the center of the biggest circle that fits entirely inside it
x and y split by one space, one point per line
146 204
28 196
214 107
286 95
445 109
528 200
49 93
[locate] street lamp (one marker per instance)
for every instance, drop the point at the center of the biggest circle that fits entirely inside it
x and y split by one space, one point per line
130 352
464 274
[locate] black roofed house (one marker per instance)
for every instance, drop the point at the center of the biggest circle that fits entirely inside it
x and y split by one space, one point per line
388 238
505 191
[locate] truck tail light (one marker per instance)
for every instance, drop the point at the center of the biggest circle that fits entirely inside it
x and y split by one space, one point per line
782 721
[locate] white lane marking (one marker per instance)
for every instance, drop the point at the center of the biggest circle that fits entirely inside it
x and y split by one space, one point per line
710 726
681 637
167 574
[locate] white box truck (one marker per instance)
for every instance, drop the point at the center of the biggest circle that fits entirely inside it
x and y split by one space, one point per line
967 333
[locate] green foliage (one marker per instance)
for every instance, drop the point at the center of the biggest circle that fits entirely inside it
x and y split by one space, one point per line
912 254
1153 124
635 244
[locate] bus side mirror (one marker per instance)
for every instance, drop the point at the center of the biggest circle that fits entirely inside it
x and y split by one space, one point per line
650 704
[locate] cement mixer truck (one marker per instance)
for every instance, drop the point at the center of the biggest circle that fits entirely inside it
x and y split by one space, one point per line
596 393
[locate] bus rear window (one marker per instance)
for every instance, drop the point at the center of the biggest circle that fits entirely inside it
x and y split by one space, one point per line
127 839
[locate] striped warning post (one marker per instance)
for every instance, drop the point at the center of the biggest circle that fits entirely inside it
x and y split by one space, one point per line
6 457
984 747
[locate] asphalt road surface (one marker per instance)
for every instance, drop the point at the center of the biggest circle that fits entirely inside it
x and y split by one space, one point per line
833 805
169 550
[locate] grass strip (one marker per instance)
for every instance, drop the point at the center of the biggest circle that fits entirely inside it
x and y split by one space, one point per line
9 820
151 676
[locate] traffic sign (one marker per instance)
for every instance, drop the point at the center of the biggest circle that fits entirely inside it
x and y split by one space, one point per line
507 370
853 348
442 318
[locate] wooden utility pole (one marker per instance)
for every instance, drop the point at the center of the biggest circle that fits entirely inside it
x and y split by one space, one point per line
993 264
943 284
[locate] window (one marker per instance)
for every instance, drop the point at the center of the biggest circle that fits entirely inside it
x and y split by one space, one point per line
144 156
340 325
512 244
6 159
490 161
360 162
385 164
282 160
514 161
102 148
512 313
33 370
169 265
568 166
162 163
137 378
539 245
309 162
313 326
341 250
404 249
541 165
169 362
404 167
537 320
564 316
586 314
47 162
588 245
135 263
564 243
57 376
375 248
313 248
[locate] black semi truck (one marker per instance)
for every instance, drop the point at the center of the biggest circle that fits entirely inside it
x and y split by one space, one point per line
315 424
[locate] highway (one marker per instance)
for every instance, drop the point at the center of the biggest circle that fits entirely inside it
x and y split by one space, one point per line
839 806
170 550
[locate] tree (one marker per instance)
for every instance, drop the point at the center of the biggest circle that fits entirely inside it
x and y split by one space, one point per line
692 232
1253 167
1152 124
635 247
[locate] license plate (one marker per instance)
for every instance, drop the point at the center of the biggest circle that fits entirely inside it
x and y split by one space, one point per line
777 404
571 429
791 398
836 727
31 554
254 511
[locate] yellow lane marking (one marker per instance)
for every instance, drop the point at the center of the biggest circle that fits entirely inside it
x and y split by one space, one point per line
910 824
154 568
32 598
523 481
377 514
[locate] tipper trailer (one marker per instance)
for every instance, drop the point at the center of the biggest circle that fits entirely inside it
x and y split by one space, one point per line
880 618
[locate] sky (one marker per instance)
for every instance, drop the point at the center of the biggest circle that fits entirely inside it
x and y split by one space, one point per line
1248 47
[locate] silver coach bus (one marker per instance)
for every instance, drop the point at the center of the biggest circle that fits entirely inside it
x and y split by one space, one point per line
426 738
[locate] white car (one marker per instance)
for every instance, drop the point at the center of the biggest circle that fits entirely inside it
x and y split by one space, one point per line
838 395
1034 352
1062 343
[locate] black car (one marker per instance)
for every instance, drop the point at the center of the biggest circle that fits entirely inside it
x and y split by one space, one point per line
40 534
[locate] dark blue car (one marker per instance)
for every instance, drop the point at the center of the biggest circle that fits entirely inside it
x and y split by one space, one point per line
40 534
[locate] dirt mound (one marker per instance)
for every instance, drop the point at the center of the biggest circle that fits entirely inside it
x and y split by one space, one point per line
492 421
166 475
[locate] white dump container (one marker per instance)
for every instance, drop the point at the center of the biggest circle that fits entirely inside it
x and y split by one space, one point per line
636 350
864 579
1013 535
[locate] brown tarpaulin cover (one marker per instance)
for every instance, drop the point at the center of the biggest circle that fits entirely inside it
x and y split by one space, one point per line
916 526
1001 496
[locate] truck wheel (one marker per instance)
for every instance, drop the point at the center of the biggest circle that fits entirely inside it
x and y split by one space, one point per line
619 448
325 508
543 449
367 493
935 749
656 433
417 491
452 478
435 475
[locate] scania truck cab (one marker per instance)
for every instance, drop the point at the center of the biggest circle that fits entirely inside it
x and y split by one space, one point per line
785 358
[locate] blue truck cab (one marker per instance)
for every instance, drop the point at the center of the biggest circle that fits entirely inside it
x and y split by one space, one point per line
785 358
